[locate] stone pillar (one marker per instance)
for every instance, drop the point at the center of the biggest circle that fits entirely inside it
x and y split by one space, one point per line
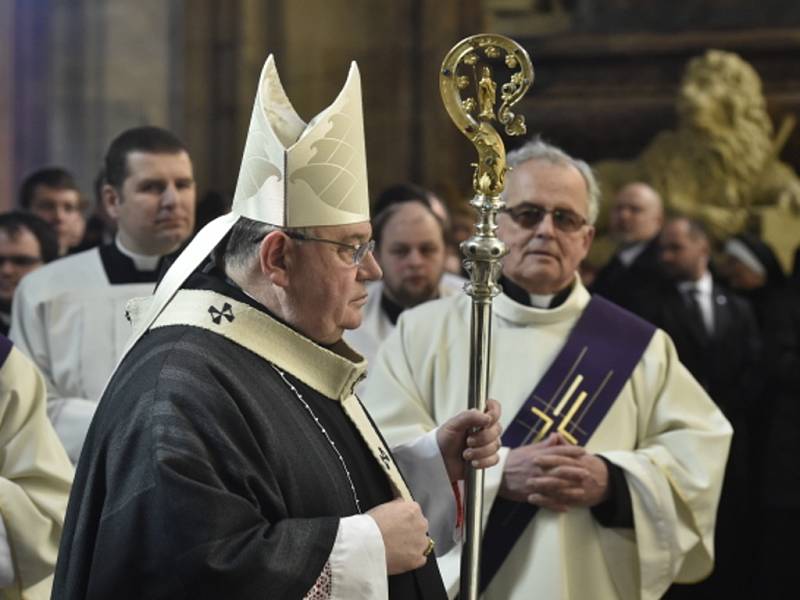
6 105
87 69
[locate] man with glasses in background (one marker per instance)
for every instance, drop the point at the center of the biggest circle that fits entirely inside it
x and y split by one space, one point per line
603 490
26 243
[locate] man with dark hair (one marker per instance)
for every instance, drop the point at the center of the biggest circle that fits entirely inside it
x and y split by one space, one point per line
26 243
70 316
52 194
716 337
230 456
100 227
410 248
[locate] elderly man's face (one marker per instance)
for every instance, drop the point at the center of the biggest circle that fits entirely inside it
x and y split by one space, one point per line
636 215
411 255
20 254
155 207
326 292
542 259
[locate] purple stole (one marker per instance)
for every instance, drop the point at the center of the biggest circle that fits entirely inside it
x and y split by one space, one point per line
572 398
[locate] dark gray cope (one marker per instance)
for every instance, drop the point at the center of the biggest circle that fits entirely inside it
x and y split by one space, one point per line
204 476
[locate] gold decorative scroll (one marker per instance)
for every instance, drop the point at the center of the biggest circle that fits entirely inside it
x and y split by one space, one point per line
469 93
468 84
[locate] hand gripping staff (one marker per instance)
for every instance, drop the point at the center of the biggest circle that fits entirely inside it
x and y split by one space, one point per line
470 69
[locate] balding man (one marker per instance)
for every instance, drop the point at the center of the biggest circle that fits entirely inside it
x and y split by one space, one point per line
635 220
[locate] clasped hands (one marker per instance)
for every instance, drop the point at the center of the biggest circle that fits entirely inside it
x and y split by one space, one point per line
554 474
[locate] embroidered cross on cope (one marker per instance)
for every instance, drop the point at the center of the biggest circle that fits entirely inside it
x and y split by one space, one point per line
572 398
216 314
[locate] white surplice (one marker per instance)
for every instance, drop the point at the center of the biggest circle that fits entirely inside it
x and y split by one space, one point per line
663 431
70 320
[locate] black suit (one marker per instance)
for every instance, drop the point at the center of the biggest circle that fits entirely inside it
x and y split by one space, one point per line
724 362
626 286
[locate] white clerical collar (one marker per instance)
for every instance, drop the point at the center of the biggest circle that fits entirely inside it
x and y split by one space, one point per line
629 254
142 262
541 300
704 285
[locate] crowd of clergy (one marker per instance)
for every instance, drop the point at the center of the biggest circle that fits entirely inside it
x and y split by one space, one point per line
66 274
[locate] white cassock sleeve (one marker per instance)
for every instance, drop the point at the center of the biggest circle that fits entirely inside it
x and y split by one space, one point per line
357 564
358 561
70 416
674 474
423 469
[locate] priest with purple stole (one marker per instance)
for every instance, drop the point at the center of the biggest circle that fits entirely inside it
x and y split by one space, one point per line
229 456
613 455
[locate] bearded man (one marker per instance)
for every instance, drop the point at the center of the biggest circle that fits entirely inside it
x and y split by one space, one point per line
410 247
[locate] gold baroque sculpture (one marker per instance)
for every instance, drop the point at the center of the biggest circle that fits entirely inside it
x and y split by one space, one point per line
721 164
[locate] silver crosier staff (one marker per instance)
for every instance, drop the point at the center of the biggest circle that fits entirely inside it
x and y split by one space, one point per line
469 93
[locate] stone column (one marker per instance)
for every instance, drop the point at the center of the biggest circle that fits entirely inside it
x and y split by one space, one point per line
86 70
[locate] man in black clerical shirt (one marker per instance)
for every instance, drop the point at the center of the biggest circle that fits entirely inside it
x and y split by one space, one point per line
410 247
69 317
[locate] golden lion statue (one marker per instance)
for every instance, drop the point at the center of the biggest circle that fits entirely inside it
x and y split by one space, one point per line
721 163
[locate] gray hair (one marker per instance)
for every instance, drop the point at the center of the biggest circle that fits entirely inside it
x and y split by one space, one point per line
241 248
537 149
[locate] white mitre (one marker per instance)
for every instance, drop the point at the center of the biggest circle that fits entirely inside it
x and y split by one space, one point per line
298 175
292 175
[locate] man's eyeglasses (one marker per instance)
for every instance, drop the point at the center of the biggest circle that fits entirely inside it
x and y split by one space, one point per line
20 260
358 253
530 215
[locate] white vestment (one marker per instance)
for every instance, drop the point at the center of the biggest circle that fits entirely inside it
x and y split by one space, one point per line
35 479
376 325
70 320
663 431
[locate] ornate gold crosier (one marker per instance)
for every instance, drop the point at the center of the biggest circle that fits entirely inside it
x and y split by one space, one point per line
469 91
